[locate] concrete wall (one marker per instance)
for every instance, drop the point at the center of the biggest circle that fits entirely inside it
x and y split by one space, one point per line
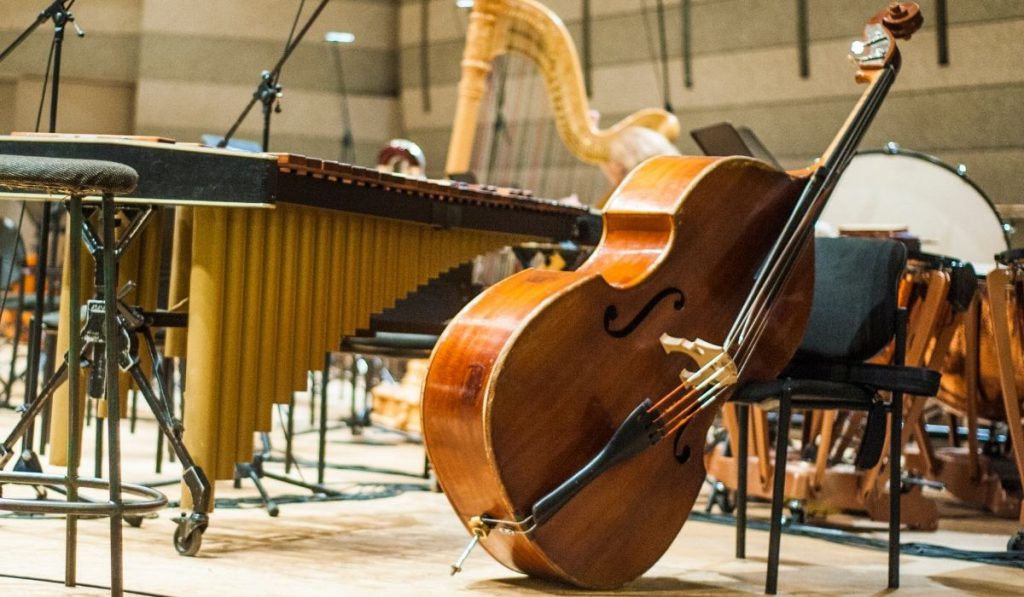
181 68
745 70
98 71
200 62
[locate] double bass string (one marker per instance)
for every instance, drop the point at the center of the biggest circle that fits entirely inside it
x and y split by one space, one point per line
686 400
681 404
752 321
808 207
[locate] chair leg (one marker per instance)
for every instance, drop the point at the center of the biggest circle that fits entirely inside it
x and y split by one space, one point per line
895 452
778 494
895 482
742 416
14 345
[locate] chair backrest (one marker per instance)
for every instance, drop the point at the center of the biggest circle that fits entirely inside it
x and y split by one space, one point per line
11 253
856 281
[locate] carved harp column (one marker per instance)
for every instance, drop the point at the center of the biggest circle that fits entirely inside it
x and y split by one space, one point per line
531 29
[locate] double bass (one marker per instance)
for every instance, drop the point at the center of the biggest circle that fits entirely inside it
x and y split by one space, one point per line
566 413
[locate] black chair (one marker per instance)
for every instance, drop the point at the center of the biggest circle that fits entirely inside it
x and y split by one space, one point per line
12 270
854 316
12 253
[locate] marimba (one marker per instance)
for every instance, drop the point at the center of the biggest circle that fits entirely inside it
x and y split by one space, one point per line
280 256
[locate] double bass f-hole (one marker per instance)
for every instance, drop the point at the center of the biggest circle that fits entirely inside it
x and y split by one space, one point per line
680 449
611 313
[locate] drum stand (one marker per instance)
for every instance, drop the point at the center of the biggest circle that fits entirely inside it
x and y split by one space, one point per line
999 281
130 323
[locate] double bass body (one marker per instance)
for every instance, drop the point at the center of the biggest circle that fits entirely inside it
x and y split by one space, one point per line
534 376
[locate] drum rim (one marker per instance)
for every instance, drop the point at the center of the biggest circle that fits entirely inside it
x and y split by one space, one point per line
892 148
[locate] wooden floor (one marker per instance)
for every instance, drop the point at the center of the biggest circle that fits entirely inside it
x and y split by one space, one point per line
393 536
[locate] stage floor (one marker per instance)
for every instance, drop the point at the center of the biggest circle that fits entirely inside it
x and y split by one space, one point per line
391 535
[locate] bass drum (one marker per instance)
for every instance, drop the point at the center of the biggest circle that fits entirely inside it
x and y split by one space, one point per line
937 203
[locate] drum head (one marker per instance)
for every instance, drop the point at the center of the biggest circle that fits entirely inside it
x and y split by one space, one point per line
944 209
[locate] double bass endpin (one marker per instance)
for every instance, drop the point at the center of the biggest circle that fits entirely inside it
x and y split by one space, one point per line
480 530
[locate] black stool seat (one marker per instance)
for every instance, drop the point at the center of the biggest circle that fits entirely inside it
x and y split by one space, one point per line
391 344
66 176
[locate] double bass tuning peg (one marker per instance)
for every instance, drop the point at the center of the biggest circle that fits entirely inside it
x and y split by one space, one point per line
903 19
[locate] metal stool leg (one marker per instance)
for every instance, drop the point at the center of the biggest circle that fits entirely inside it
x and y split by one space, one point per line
98 464
111 345
74 365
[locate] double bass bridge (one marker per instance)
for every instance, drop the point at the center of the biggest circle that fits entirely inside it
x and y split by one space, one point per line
714 363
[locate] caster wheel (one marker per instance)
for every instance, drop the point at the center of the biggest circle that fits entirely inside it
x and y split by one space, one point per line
273 511
1016 543
797 514
722 498
187 545
726 501
133 521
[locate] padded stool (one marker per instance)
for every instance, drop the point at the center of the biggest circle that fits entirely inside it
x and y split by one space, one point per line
56 179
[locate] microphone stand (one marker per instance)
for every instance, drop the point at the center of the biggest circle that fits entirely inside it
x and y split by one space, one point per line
58 12
348 151
268 91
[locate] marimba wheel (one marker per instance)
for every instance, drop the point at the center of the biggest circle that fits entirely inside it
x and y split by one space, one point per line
187 543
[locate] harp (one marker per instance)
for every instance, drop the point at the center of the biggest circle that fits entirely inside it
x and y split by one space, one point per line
497 27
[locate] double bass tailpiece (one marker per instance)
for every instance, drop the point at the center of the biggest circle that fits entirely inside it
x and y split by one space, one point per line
643 428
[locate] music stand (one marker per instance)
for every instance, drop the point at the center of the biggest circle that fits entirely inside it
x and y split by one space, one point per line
268 91
725 139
